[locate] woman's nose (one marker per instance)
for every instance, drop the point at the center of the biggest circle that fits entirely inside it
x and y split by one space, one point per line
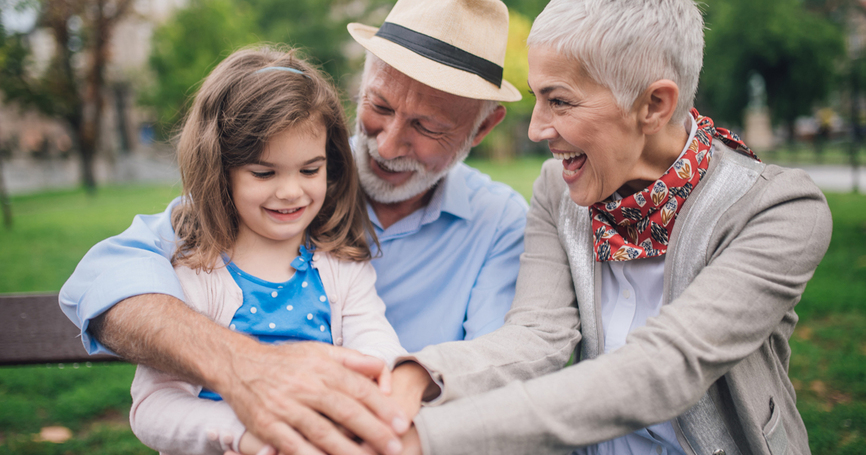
540 128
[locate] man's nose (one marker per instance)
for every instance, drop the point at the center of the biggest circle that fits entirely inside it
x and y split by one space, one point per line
394 140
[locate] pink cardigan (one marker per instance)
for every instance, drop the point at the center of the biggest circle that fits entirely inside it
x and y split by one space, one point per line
167 414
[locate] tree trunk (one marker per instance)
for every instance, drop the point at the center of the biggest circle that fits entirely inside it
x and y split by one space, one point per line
4 200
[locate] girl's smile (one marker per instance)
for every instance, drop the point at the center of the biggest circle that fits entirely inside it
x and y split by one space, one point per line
278 196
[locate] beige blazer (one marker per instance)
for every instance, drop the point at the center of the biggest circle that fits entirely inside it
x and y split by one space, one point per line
715 358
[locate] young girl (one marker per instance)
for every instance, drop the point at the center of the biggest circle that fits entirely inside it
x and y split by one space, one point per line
271 233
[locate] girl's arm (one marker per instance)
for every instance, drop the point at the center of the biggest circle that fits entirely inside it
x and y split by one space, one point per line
168 416
365 327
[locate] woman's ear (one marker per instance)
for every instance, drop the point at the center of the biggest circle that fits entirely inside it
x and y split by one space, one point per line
658 103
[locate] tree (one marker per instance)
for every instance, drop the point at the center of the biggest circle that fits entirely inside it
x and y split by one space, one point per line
80 28
187 47
795 50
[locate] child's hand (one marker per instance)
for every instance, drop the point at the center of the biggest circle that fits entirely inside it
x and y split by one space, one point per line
252 445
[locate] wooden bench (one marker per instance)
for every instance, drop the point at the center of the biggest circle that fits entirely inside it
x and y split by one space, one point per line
36 331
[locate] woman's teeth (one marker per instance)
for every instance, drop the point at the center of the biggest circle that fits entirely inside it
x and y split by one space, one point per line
566 156
287 211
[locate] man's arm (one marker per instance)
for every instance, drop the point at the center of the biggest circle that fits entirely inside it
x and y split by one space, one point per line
127 288
279 392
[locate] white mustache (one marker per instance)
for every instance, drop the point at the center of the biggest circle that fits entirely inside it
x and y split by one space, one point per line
399 164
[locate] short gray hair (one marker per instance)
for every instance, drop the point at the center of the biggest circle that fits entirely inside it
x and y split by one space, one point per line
371 60
626 45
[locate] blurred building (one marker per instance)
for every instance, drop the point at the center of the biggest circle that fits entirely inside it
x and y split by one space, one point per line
37 150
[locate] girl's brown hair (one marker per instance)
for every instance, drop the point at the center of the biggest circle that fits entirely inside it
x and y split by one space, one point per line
236 111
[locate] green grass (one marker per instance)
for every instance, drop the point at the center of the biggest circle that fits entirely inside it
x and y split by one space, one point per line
53 231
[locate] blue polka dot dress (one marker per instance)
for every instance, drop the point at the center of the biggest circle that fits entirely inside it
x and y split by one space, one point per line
294 310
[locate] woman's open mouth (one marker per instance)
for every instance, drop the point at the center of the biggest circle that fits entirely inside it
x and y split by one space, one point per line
571 162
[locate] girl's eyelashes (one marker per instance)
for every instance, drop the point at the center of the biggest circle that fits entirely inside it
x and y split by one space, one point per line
311 171
262 174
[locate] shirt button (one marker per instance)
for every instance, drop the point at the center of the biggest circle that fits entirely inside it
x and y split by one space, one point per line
719 452
309 316
316 257
253 310
321 328
626 293
339 341
322 298
290 308
304 284
272 325
274 294
232 326
659 450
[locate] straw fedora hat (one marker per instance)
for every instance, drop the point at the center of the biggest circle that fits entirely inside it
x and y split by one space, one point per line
457 46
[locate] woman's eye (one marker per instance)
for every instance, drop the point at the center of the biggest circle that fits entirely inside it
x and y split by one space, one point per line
556 102
311 171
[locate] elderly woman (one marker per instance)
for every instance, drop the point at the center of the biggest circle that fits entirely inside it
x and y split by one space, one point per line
657 242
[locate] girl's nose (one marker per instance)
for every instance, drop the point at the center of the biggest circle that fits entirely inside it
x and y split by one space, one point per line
289 189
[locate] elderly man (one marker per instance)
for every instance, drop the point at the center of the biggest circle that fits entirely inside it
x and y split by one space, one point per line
450 240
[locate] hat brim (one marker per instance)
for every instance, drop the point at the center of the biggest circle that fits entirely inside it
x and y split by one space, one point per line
429 72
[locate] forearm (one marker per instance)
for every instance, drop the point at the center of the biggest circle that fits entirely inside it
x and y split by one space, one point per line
162 332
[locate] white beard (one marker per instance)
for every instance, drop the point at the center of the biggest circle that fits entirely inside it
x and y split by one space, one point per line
386 193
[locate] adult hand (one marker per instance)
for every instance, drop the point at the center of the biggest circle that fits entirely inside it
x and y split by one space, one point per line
286 395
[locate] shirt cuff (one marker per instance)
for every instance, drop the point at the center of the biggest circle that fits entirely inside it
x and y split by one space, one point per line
151 277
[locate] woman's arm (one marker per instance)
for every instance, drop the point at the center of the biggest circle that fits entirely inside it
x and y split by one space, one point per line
769 246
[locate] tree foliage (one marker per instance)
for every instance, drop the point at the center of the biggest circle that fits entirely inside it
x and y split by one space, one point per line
80 28
795 50
204 32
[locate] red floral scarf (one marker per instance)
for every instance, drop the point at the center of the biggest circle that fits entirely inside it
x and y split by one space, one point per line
640 225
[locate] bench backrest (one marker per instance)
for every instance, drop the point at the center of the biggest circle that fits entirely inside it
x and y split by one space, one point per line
35 330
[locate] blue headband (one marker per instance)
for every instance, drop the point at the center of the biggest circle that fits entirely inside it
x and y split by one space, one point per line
281 68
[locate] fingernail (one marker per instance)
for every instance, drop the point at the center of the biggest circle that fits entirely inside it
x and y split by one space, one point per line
400 425
394 447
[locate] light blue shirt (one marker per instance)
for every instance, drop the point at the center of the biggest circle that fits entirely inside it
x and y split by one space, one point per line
447 271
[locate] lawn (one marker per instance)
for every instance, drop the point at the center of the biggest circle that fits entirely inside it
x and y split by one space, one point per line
53 231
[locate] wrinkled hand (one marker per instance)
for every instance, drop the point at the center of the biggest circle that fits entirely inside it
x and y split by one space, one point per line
286 395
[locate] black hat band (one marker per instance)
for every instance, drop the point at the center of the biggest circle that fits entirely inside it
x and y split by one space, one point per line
442 52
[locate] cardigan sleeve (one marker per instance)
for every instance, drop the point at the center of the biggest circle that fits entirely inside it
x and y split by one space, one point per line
167 415
364 326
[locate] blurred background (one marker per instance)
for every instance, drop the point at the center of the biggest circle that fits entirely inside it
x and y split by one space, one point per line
91 93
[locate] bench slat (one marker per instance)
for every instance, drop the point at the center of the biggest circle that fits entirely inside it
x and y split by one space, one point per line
35 330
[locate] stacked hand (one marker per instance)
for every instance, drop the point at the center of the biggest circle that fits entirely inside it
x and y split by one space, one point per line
309 398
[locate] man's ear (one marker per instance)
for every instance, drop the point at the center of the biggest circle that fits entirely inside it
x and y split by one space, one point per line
657 105
487 125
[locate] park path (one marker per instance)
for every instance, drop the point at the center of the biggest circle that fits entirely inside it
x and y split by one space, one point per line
835 178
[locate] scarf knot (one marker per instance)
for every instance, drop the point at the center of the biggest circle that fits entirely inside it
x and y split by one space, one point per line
639 226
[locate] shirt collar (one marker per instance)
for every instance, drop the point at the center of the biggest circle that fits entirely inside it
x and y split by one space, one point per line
451 196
